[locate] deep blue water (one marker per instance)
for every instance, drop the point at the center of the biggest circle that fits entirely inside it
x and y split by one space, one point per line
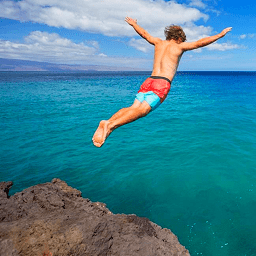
189 166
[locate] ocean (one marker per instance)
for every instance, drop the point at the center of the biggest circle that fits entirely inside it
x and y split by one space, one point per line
189 166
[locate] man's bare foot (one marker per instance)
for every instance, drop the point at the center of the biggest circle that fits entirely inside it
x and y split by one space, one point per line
101 133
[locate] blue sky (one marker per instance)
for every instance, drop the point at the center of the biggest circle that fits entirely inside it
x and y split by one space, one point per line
93 32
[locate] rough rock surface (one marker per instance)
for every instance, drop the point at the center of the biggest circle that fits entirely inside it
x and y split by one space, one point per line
54 219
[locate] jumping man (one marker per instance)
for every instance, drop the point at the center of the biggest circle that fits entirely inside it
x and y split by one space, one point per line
154 90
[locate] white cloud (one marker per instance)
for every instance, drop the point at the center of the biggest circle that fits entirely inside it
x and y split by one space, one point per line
50 47
216 12
251 35
195 33
42 46
197 3
95 44
222 47
247 36
202 58
141 45
102 55
98 16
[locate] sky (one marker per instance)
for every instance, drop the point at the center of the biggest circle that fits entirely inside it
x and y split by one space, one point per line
93 32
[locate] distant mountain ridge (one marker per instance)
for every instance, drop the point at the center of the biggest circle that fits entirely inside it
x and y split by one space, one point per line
27 65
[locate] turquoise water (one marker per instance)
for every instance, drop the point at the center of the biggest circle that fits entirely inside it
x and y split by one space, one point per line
189 166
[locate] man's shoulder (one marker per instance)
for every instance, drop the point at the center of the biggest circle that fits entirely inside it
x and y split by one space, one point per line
158 40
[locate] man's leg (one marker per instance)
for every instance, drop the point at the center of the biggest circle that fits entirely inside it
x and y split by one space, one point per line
122 111
122 117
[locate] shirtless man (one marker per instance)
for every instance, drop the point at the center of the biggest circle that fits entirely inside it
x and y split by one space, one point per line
155 88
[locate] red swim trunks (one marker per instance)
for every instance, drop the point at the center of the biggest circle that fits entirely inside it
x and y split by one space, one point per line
158 85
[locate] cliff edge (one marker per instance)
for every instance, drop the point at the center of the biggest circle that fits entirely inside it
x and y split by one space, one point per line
53 219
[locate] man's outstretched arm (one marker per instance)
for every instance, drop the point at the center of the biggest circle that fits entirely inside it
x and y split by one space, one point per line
204 41
141 31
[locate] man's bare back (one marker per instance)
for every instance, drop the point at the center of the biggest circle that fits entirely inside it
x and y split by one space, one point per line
154 90
166 58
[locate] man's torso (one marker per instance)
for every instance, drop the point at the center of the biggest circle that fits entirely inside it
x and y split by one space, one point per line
166 59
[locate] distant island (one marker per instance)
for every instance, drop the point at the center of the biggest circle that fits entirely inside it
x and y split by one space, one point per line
26 65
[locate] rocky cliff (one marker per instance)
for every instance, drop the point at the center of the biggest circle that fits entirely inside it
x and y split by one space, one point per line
54 219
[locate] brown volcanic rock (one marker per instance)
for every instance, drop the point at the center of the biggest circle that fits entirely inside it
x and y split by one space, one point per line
53 219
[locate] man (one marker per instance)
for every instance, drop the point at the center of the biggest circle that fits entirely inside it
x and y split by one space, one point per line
155 88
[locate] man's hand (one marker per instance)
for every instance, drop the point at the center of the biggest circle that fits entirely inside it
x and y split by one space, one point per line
225 31
130 21
141 31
